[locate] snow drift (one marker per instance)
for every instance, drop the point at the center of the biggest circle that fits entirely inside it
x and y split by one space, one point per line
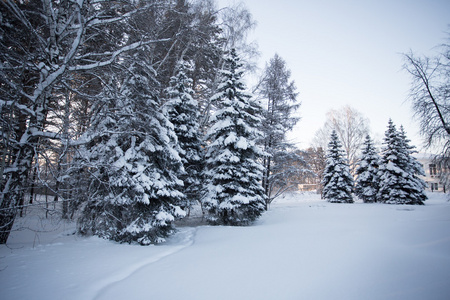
302 248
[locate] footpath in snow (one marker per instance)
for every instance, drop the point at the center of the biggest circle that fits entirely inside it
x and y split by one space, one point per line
302 248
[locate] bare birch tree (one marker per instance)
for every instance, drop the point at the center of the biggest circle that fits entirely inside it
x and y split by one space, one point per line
350 126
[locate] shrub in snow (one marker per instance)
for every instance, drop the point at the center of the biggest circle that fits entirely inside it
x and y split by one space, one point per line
132 163
337 181
399 170
182 111
234 195
287 170
367 181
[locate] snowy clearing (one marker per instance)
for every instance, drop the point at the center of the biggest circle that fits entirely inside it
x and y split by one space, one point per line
302 248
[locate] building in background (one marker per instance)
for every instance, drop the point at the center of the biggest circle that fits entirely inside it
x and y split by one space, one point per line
432 172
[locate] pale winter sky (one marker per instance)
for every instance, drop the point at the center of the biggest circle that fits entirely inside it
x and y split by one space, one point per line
348 52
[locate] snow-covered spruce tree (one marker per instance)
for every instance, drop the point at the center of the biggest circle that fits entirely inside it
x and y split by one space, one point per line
413 168
398 171
133 165
367 181
183 112
337 181
234 194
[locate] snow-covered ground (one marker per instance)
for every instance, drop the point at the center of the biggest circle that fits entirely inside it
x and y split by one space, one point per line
302 248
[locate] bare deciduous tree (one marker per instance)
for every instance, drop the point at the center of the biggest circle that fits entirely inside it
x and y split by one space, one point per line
237 23
350 126
43 44
430 98
317 161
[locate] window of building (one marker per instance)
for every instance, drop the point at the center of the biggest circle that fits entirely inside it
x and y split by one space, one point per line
433 169
434 186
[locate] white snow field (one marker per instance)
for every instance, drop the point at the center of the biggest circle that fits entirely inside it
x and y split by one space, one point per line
302 248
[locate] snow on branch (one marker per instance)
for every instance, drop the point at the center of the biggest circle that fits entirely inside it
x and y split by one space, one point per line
113 55
37 133
20 107
97 20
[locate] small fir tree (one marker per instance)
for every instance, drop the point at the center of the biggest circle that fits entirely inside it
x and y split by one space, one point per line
367 182
183 112
234 193
398 172
337 180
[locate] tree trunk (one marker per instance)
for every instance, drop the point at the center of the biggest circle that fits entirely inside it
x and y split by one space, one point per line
7 217
266 182
13 196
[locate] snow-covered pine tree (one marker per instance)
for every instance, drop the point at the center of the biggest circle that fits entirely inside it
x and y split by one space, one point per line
398 181
234 194
337 181
367 180
134 190
183 112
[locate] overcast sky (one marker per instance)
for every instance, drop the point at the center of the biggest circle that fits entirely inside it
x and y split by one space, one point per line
348 52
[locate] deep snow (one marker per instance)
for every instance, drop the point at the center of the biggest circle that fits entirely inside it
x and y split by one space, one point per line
302 248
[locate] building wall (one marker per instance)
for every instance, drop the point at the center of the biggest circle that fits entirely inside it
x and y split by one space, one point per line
431 172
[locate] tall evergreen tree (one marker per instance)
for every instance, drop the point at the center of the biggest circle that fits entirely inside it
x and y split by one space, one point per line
398 172
367 180
337 180
234 193
183 112
280 96
133 165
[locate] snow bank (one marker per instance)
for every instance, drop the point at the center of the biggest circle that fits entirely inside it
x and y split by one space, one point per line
302 248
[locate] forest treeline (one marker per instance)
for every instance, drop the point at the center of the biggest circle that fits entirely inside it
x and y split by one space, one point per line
108 106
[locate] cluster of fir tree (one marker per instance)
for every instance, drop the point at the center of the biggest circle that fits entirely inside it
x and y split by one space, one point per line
390 178
145 179
91 77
